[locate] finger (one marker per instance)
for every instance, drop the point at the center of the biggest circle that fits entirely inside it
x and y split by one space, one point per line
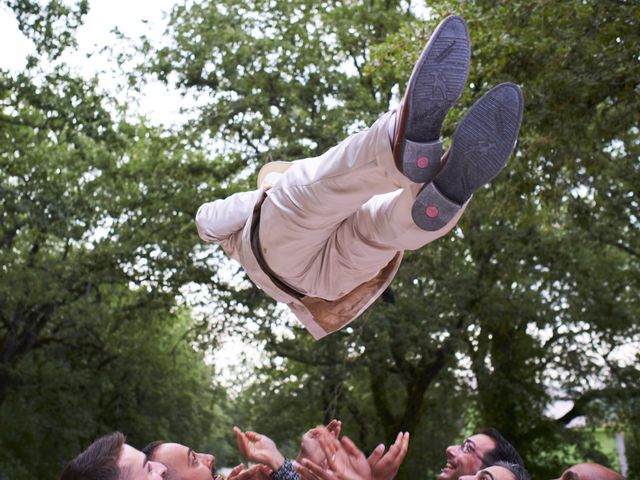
253 436
405 445
333 424
316 469
241 441
306 474
329 445
334 427
264 469
234 471
256 471
310 471
394 449
328 440
401 446
351 448
246 475
392 461
376 455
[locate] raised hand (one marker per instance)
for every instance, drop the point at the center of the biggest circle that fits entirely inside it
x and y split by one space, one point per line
350 461
344 459
310 446
258 448
385 466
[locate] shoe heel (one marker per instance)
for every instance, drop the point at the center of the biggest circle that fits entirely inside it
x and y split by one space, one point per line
431 210
421 161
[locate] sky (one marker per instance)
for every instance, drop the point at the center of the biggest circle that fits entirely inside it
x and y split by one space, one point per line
133 18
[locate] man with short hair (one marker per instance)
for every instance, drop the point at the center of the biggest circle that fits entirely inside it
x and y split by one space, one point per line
110 458
500 471
481 450
184 463
590 471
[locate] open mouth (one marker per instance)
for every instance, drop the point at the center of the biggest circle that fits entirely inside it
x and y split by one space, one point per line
448 467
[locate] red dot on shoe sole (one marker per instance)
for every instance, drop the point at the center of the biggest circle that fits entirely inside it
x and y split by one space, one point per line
432 211
423 162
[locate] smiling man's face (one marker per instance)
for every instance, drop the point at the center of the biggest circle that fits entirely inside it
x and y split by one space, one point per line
183 463
467 458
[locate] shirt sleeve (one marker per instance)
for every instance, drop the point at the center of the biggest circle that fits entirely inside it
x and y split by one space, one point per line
218 220
285 472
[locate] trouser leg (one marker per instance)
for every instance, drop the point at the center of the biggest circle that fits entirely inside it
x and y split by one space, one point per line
316 195
332 222
369 239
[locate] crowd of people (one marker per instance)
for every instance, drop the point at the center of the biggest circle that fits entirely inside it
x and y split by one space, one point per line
324 454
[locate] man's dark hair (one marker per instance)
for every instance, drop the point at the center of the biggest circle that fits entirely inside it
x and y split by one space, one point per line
150 448
98 461
149 451
503 451
518 470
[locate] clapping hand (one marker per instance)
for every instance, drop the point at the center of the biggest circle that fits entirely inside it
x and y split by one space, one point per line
310 445
344 459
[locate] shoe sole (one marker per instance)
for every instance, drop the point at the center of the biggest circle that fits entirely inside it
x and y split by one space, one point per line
436 82
481 146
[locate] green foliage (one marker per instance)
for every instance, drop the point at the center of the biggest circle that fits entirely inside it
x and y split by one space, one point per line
50 25
275 70
96 242
139 376
531 298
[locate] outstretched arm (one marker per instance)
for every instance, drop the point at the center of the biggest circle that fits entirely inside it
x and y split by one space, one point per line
218 220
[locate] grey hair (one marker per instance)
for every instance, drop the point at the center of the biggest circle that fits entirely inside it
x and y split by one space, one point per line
518 470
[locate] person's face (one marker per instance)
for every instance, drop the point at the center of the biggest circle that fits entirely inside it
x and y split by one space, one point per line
468 458
135 465
184 463
491 473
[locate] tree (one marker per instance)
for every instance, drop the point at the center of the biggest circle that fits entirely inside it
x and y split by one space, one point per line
96 243
50 25
508 309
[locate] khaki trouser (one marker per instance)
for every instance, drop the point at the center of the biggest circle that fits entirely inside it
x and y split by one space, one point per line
332 222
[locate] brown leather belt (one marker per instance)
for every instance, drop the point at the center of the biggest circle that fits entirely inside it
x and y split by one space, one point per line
257 252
